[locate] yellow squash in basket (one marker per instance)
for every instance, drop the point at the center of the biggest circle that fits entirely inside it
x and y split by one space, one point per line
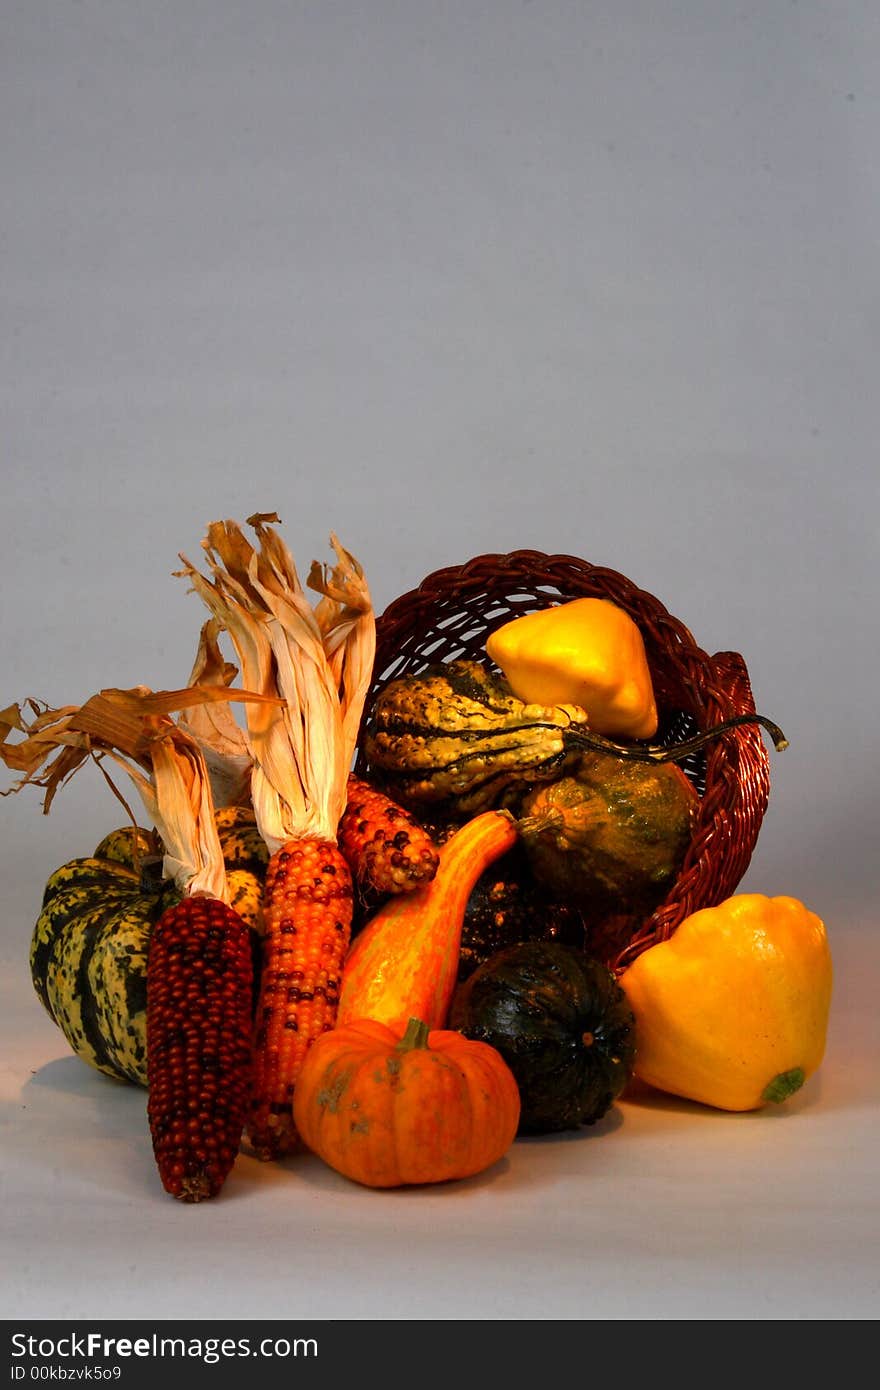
587 652
733 1009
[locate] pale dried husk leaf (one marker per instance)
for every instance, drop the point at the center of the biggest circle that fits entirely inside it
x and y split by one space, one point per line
317 660
134 729
223 742
177 795
348 629
40 741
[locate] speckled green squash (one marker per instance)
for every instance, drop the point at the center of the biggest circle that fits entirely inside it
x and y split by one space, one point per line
243 846
246 856
89 947
88 951
131 845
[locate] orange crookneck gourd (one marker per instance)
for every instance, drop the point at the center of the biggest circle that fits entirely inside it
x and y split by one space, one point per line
404 963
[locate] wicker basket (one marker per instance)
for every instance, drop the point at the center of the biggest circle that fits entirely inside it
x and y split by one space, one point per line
452 612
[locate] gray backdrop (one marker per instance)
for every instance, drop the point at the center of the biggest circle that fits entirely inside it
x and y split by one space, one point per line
447 278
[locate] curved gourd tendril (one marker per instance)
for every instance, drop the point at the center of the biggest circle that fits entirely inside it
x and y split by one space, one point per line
579 736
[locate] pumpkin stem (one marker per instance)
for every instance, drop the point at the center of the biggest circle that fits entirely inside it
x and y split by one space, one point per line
579 736
416 1035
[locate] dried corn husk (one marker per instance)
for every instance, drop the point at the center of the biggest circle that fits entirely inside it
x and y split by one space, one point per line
222 741
317 660
134 729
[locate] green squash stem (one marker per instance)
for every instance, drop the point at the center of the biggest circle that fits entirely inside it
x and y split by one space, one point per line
416 1035
784 1085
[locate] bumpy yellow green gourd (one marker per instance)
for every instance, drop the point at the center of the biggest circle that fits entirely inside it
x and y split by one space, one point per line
733 1009
587 652
455 739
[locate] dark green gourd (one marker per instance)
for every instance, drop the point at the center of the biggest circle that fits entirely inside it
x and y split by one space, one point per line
562 1024
612 835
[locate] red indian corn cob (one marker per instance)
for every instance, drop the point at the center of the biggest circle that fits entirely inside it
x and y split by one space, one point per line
199 962
307 927
199 1006
386 848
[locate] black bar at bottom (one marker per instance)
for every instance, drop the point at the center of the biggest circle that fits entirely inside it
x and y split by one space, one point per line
136 1354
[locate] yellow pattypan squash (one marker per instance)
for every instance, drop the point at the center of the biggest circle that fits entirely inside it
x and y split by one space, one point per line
733 1009
587 652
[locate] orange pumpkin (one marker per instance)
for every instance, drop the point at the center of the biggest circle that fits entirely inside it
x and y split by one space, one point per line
387 1110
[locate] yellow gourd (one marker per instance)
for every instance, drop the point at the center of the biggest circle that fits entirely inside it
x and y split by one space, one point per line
587 652
733 1009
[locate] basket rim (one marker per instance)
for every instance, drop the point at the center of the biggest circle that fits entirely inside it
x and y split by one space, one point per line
493 569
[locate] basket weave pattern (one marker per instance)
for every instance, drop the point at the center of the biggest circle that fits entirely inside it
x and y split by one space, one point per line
450 615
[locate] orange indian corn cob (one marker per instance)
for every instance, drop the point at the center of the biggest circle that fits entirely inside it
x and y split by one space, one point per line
307 919
200 963
386 848
319 661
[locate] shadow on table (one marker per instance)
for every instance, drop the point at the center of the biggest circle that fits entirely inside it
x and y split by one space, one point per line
70 1118
69 1115
68 1079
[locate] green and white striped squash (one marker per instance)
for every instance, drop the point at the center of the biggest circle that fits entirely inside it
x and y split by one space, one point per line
89 947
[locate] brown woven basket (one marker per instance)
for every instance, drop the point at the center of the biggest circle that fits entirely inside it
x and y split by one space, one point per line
452 612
